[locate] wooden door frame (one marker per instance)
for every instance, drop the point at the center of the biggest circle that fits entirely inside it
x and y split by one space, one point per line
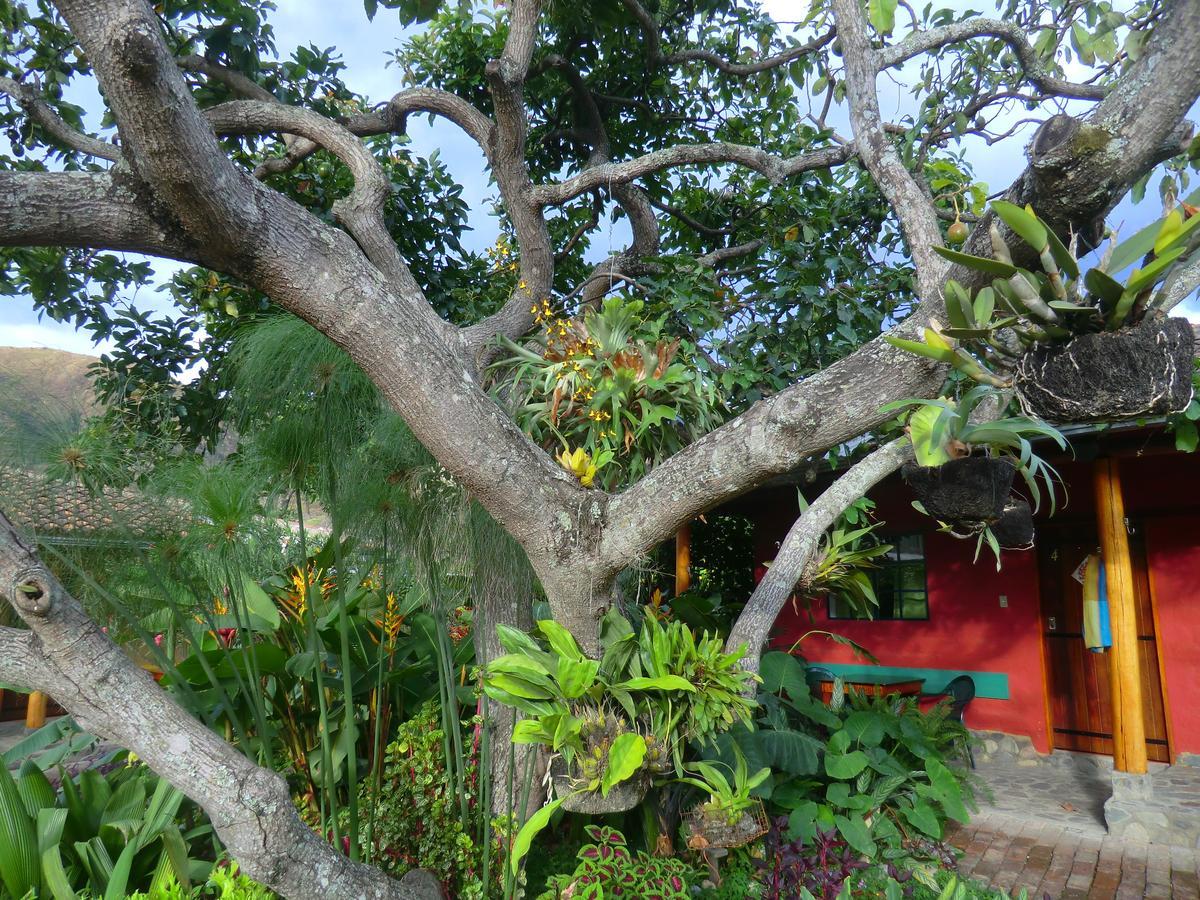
1047 687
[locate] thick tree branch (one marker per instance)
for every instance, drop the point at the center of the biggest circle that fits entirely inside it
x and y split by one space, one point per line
362 210
317 272
912 207
250 807
39 110
20 664
506 78
774 168
102 210
803 539
724 254
166 141
1035 70
1182 283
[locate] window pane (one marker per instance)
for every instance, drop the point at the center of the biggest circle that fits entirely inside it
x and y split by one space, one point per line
915 606
899 580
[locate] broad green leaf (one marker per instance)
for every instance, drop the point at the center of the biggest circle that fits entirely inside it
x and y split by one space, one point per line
518 664
529 831
980 263
923 432
625 757
259 603
958 306
856 833
865 727
19 869
659 683
845 765
576 676
782 672
920 815
531 731
519 687
938 353
1106 288
985 304
1143 278
802 822
1172 224
882 14
560 639
34 788
1024 223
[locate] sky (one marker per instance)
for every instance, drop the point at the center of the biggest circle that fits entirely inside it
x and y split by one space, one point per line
365 45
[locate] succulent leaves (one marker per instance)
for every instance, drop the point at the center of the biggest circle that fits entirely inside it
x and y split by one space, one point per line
1052 305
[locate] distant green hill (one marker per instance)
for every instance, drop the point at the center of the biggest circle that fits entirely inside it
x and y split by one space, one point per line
44 395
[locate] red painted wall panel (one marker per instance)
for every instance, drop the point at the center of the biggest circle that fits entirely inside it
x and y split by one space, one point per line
1173 547
969 630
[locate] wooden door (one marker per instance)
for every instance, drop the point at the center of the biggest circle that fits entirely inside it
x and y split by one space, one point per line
1076 678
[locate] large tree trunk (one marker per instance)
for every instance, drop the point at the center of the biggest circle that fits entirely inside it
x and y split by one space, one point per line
503 589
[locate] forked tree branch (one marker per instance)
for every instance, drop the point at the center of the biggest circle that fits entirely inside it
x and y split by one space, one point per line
39 110
362 210
1141 122
1035 71
67 655
918 219
774 168
166 142
506 78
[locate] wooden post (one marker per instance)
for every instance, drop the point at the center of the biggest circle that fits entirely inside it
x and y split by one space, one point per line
683 559
1125 671
35 713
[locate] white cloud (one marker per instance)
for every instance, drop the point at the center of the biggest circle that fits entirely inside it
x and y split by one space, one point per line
51 335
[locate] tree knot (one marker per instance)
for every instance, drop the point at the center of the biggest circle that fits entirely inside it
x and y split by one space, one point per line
31 594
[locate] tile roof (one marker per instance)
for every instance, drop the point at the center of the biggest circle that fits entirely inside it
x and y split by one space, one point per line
60 508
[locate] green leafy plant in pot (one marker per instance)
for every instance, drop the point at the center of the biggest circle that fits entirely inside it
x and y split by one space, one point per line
619 723
730 817
1075 347
964 469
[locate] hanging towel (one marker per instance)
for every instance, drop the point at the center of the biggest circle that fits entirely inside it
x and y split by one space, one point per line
1097 632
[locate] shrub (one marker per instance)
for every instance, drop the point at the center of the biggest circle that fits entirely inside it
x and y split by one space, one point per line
819 865
871 769
418 822
607 869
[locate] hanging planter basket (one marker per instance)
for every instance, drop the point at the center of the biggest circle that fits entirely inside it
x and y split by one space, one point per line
621 797
1141 371
970 489
712 828
1014 529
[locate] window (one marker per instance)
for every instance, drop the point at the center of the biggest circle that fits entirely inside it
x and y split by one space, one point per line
899 583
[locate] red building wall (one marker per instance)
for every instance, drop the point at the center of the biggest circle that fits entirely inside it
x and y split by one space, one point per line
969 630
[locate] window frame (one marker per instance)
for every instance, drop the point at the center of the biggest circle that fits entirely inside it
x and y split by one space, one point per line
890 561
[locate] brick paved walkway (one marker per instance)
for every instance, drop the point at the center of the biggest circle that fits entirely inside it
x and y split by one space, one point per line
1053 860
